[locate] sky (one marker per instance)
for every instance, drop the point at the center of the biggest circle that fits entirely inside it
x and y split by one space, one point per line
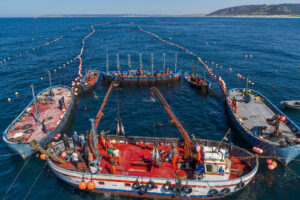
35 8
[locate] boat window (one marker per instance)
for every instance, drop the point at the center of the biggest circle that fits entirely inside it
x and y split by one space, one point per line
211 168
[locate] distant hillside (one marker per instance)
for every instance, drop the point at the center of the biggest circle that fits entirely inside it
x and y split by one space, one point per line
259 10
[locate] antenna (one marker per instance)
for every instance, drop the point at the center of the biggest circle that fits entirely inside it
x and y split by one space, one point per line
164 62
118 63
107 63
175 61
129 64
247 82
152 63
36 111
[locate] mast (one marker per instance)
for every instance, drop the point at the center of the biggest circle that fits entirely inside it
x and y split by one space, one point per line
118 63
36 111
50 83
152 63
164 62
247 82
141 63
183 132
175 65
107 64
129 64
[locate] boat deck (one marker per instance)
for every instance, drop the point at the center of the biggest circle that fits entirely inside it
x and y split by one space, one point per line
254 114
136 161
91 78
26 129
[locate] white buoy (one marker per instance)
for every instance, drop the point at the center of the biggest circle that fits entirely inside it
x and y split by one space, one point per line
16 93
42 78
9 99
54 71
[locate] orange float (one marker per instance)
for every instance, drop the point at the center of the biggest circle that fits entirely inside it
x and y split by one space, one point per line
82 185
91 185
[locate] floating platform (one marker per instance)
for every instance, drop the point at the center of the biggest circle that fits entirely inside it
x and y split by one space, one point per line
251 122
197 81
146 78
222 172
89 80
52 120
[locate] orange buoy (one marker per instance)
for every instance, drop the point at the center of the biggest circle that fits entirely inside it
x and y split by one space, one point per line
82 185
91 185
283 119
274 163
43 156
37 155
269 161
271 167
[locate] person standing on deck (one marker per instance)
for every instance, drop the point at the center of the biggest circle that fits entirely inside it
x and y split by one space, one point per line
66 141
117 156
74 158
234 105
75 139
175 156
110 153
107 144
81 140
113 167
101 138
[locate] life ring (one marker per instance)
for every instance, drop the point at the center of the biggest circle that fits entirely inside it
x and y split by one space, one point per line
167 186
150 185
176 190
187 189
143 189
240 185
225 190
136 186
213 192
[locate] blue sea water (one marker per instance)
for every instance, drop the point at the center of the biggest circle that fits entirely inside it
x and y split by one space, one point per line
274 44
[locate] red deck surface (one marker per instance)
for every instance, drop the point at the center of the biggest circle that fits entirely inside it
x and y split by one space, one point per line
49 113
136 161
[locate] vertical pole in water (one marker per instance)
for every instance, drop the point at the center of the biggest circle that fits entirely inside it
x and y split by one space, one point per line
129 64
152 63
164 62
175 61
107 65
141 63
118 63
94 138
36 111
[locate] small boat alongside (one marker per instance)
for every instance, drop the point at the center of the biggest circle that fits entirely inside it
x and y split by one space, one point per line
164 168
197 81
292 104
44 118
263 125
89 80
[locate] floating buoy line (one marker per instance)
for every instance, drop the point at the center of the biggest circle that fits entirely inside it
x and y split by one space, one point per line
208 69
5 60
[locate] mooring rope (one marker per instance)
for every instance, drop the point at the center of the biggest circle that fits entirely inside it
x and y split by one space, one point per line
7 191
36 179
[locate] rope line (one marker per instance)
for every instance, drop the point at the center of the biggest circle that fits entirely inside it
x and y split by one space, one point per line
36 179
7 191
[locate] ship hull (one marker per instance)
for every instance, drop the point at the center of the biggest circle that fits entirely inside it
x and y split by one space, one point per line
139 80
24 149
287 154
122 185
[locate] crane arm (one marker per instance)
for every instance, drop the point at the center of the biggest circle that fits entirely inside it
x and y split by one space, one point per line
183 132
97 120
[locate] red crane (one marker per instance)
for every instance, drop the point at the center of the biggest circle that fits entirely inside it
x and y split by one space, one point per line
183 132
99 116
